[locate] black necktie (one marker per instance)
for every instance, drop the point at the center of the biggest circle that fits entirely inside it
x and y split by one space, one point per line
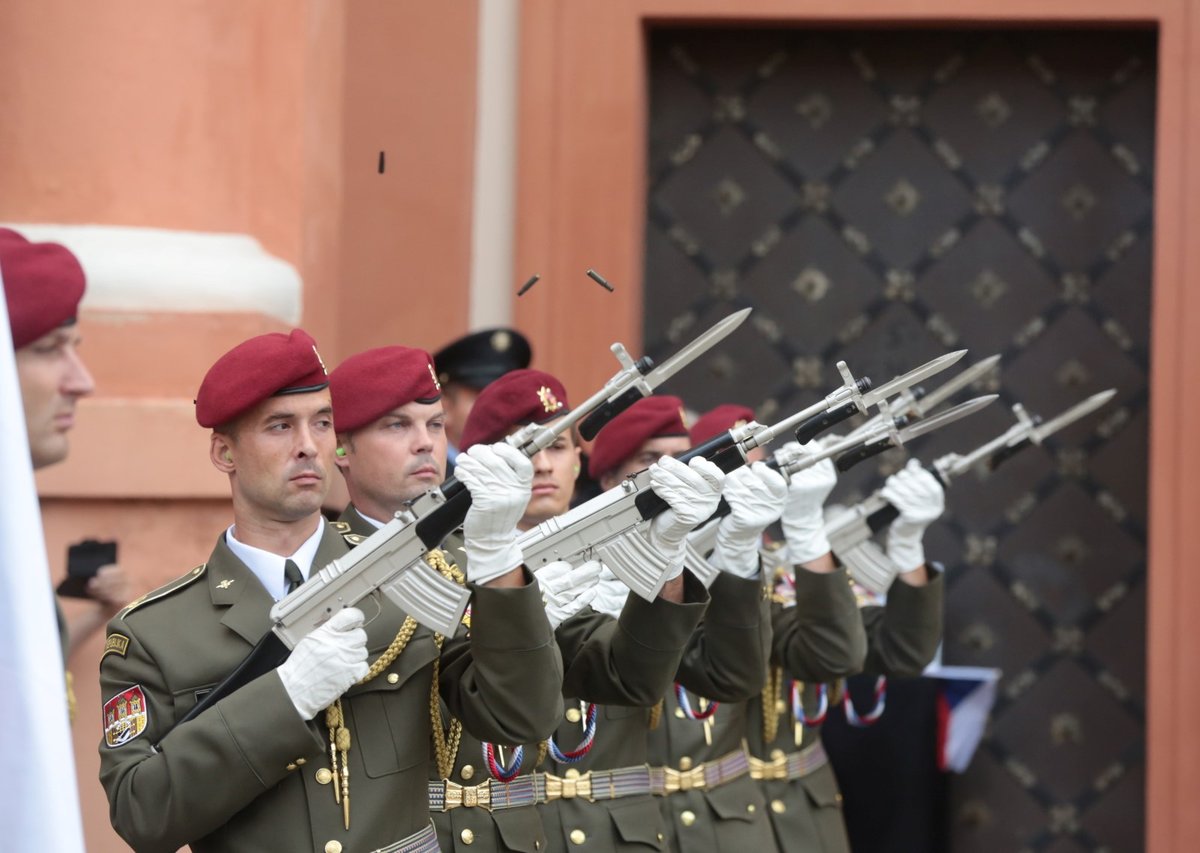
291 573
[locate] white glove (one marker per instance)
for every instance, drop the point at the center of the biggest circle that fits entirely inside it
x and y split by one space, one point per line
921 500
499 478
692 492
611 593
803 521
567 589
326 662
755 495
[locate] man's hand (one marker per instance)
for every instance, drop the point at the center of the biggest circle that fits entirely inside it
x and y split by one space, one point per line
499 478
111 587
755 495
326 662
611 593
692 493
803 521
921 500
567 589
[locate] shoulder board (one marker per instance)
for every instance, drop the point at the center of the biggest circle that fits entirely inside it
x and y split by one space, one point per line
164 590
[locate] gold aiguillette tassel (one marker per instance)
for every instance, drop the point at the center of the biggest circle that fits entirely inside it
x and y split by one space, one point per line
333 720
343 744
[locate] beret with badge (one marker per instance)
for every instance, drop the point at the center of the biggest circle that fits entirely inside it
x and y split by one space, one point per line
515 399
265 366
716 421
367 386
43 284
480 358
650 417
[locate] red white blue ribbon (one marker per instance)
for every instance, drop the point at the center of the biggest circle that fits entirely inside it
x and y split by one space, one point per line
504 774
864 720
686 706
798 704
585 745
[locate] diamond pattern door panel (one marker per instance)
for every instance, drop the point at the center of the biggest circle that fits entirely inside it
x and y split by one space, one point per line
881 197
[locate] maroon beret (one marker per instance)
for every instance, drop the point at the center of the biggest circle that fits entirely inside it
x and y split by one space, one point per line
367 386
43 283
716 421
261 367
517 398
648 418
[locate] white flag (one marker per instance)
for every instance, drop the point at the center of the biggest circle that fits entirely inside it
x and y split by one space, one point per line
39 801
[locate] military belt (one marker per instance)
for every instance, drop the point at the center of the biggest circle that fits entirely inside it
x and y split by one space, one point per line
707 775
793 765
490 794
422 841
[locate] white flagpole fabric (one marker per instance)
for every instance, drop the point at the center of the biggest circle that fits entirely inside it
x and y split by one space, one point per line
39 800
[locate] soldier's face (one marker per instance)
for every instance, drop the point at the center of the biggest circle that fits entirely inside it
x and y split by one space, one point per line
279 457
396 458
649 453
52 378
554 473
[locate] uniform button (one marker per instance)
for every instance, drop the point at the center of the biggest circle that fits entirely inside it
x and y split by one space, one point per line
837 798
467 772
687 818
393 678
776 754
660 837
334 846
778 806
573 715
750 809
467 836
685 763
324 776
571 773
578 836
679 713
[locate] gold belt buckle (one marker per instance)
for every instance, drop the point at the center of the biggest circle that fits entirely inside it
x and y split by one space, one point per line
683 780
468 796
560 787
772 770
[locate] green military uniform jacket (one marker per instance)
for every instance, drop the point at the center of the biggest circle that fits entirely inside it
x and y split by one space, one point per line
896 640
725 660
731 816
246 774
627 661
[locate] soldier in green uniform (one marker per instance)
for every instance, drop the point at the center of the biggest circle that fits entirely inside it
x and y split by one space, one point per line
393 443
611 793
43 286
734 815
327 752
900 638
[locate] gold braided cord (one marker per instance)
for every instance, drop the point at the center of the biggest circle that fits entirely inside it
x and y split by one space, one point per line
446 739
543 751
655 715
72 705
772 695
407 629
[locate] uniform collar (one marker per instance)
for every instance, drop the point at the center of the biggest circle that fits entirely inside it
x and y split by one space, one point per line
268 567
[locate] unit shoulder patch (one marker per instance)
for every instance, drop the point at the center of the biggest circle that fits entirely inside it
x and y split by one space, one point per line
116 644
125 717
165 590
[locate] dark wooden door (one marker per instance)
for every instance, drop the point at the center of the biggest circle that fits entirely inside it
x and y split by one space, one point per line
881 196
